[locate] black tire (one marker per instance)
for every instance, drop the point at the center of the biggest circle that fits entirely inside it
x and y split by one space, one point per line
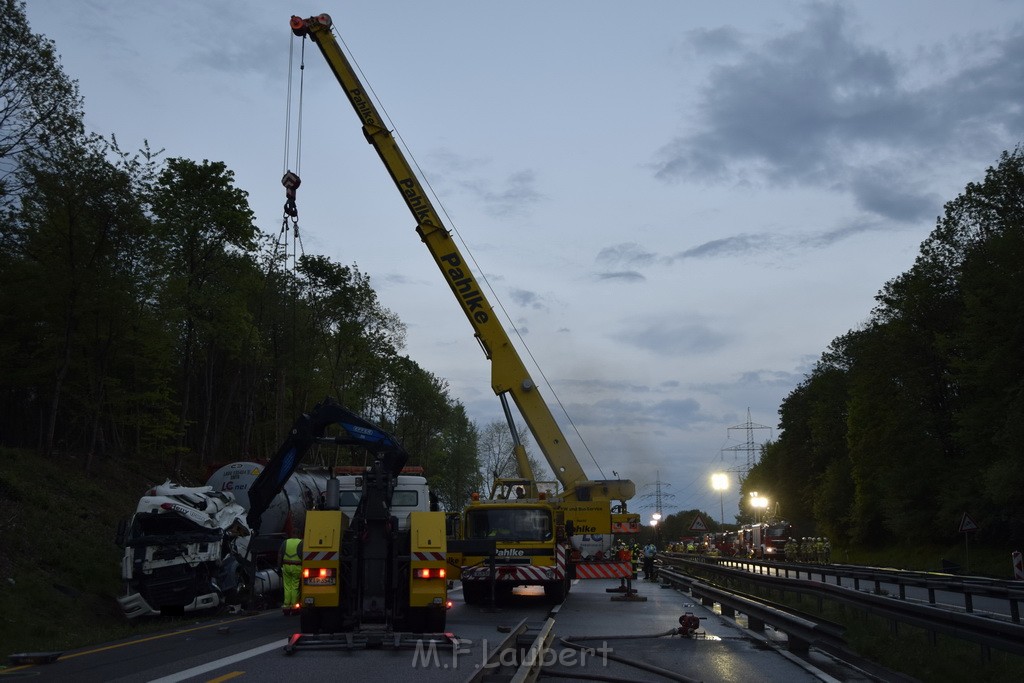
502 592
310 619
437 619
241 594
427 619
555 591
474 592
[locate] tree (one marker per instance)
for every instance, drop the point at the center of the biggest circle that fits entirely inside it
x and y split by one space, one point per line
496 458
354 338
77 292
985 226
39 104
914 418
206 229
454 472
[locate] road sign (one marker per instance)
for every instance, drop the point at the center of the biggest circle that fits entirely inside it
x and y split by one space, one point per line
967 524
698 524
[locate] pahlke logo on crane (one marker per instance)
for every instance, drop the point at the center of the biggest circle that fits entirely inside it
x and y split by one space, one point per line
363 108
416 202
466 288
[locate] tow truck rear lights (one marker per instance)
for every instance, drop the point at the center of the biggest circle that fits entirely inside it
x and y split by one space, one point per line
322 572
318 576
430 573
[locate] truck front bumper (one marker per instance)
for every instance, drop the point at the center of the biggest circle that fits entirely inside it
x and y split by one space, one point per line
134 605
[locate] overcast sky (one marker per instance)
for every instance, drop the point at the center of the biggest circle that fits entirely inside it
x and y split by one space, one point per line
679 204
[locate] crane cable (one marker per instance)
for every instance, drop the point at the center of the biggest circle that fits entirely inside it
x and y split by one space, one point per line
290 179
481 275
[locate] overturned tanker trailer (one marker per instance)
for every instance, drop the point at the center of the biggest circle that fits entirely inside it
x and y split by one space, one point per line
191 548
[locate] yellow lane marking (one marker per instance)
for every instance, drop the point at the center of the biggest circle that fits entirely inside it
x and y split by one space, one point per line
130 642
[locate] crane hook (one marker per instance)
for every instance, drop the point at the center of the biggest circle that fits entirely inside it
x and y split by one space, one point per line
291 182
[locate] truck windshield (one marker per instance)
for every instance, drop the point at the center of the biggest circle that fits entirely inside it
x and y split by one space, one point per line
168 528
509 524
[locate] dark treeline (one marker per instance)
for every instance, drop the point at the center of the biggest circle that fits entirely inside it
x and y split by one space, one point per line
917 417
142 313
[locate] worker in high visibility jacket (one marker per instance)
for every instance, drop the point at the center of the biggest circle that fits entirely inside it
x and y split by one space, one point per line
290 558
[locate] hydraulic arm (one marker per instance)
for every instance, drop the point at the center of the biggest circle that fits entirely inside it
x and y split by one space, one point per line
509 376
308 430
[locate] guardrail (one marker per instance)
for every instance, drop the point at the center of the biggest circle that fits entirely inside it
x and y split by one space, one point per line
801 631
989 633
967 586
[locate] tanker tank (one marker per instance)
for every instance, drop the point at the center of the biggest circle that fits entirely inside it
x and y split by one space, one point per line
286 514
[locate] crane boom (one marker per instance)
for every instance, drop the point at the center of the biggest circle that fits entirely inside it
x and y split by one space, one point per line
508 373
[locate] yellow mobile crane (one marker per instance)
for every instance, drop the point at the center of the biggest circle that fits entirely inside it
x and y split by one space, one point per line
583 506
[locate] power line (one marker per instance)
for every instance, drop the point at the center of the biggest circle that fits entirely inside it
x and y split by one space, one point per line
750 447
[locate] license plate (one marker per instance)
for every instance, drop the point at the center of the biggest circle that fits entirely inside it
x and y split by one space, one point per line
319 581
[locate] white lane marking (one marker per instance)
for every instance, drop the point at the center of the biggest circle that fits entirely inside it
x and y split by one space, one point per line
203 668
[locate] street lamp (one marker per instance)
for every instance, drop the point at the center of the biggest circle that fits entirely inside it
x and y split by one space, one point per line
759 503
720 482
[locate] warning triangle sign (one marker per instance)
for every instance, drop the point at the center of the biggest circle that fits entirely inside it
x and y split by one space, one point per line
698 524
967 524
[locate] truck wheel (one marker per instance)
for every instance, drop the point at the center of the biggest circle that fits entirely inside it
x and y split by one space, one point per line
555 591
473 592
309 619
240 594
436 619
427 619
502 592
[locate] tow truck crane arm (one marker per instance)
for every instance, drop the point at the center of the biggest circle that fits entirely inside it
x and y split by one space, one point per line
508 373
309 429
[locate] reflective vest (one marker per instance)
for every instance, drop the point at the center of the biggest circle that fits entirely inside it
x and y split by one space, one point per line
291 551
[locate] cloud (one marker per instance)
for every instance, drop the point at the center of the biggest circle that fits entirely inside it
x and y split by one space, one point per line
715 41
513 199
882 192
731 246
628 253
528 299
819 107
676 413
624 275
673 338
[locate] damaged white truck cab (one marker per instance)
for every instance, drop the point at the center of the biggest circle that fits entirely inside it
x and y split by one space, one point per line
180 551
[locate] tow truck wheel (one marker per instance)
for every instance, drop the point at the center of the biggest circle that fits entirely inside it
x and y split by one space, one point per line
427 619
436 619
309 619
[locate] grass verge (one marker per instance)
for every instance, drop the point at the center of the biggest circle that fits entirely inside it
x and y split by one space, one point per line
60 567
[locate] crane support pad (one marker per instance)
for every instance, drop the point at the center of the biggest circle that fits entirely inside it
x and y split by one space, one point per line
367 640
